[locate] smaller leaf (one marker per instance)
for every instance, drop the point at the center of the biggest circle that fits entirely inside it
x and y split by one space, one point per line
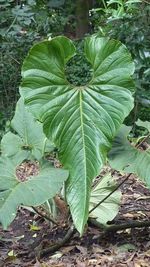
109 208
30 141
33 191
12 145
144 124
124 157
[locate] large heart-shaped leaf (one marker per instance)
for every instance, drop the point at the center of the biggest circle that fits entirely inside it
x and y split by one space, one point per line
123 156
109 208
80 120
32 192
30 141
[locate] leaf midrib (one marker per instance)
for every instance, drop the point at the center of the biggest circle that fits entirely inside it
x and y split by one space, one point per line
84 151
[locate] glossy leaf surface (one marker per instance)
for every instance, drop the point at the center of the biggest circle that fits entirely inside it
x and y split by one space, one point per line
83 120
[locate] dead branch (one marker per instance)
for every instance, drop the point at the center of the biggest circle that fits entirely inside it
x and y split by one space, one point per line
119 227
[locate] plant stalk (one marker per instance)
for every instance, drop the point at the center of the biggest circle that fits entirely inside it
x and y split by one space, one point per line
115 189
119 185
49 218
57 246
144 140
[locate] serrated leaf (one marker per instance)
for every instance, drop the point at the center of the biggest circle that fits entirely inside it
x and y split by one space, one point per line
80 120
32 192
30 140
123 156
109 208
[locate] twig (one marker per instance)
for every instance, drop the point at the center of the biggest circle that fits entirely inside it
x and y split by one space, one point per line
144 140
119 185
14 20
146 2
47 217
115 228
14 59
39 252
100 202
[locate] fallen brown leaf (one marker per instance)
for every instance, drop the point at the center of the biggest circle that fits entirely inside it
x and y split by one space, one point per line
141 263
65 250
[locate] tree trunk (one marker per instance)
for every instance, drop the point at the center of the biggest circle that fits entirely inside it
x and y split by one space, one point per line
82 18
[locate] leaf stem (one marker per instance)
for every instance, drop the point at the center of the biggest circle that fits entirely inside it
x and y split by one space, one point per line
120 184
115 189
144 140
47 217
13 22
40 252
104 4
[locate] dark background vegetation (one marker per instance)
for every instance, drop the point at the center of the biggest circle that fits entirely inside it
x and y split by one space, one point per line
24 23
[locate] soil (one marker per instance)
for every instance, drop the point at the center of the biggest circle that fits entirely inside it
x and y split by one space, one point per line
130 247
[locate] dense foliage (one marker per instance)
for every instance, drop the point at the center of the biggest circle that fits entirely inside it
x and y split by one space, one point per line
130 23
22 24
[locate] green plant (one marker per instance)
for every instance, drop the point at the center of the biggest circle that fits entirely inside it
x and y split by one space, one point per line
30 191
29 142
128 21
26 148
23 23
80 120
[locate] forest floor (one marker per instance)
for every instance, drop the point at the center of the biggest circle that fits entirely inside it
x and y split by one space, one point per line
130 247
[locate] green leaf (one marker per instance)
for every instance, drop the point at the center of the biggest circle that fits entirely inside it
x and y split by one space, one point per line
32 192
123 156
12 145
132 2
144 124
80 120
109 208
30 140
